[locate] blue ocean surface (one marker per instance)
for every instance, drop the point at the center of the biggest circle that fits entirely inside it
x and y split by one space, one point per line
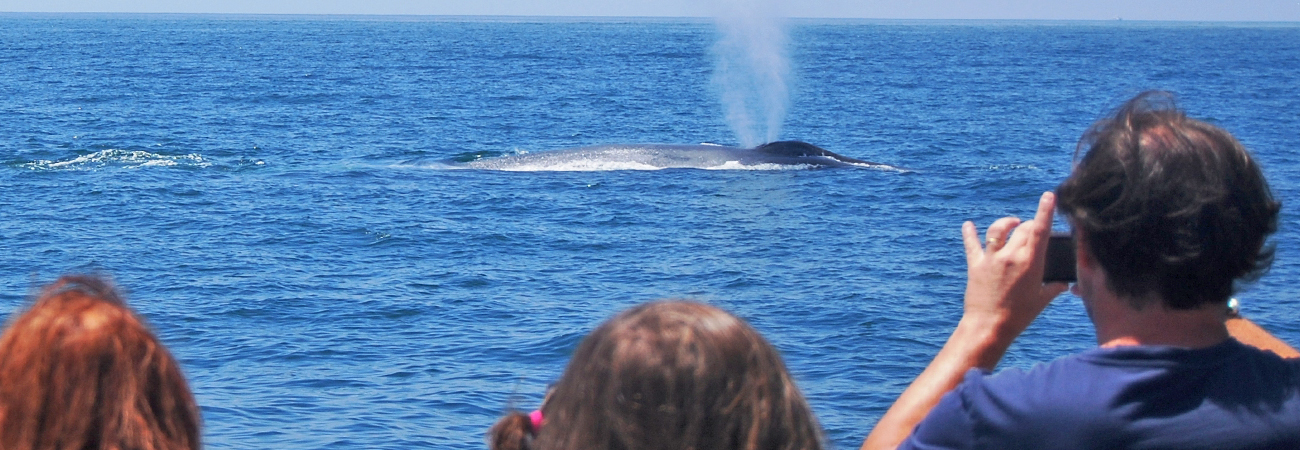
279 196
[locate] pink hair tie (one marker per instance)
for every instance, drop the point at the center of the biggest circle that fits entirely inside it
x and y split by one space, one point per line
536 418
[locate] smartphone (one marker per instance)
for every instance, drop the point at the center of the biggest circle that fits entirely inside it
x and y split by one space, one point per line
1060 259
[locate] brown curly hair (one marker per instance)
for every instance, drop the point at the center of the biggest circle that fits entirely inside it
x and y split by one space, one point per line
1169 205
670 375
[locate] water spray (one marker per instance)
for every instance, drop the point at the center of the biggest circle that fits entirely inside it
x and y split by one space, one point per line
753 69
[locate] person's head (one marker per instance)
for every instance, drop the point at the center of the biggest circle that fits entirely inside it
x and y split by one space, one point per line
1170 207
670 375
79 370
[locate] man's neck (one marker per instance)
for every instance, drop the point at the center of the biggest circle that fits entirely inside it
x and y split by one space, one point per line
1119 324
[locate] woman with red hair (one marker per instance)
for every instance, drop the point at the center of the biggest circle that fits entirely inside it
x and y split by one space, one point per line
79 371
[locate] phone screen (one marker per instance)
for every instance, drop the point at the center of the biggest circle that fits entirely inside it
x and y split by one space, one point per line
1060 259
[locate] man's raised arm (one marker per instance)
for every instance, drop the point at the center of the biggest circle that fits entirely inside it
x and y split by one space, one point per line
1004 294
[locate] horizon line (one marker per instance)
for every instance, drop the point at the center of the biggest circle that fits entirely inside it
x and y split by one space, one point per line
624 17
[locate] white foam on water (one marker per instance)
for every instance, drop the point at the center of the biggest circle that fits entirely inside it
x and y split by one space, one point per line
884 167
1013 167
120 158
432 165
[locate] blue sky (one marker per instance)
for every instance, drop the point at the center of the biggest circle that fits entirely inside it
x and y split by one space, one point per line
1199 10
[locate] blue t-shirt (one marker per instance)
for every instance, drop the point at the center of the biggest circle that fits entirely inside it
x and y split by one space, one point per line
1228 396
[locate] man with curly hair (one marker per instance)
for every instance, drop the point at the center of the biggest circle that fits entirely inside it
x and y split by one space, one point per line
1168 214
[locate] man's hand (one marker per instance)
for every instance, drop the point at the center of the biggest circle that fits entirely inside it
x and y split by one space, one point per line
1004 286
1004 293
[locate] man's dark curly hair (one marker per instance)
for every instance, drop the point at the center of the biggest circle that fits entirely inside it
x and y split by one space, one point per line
1169 205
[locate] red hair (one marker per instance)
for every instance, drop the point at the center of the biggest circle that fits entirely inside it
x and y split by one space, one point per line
79 370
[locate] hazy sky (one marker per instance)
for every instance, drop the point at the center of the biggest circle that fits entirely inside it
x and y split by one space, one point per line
1200 10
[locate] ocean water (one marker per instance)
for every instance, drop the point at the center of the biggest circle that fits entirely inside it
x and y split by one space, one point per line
273 192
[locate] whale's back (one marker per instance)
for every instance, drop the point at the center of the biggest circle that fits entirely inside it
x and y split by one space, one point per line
774 155
791 149
800 149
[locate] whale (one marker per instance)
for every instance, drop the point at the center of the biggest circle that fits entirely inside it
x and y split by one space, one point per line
772 155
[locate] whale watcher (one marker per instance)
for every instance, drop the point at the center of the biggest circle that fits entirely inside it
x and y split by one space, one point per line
79 370
668 375
1169 215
